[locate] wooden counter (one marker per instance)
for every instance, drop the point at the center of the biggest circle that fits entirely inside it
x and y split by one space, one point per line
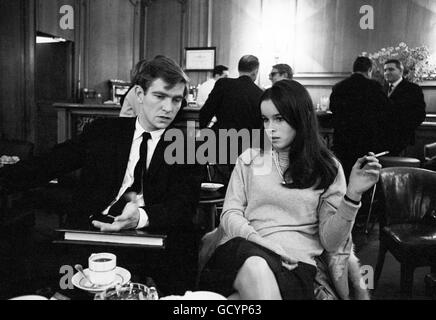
72 117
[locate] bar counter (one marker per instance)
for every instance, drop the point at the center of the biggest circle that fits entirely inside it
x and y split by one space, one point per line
72 117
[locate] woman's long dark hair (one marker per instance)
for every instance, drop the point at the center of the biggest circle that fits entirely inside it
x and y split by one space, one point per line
310 161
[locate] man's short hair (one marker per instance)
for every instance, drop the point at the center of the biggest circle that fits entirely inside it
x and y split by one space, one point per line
362 64
397 63
137 69
219 70
248 63
160 68
284 69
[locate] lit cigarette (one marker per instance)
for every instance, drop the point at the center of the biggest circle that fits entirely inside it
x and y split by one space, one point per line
381 154
212 122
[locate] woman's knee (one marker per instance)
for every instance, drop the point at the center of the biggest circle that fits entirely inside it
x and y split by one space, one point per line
254 269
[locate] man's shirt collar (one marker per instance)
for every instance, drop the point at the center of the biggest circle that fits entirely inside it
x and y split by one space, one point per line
139 130
396 83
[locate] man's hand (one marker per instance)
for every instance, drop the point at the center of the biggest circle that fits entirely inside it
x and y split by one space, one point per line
129 219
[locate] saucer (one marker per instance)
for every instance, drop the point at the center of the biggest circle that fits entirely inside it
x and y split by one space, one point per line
196 295
29 297
122 276
211 186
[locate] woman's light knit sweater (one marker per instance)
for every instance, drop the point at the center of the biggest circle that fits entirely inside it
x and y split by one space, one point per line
303 221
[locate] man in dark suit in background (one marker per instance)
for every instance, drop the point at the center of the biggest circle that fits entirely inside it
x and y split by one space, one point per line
281 71
126 156
234 104
408 110
206 87
357 104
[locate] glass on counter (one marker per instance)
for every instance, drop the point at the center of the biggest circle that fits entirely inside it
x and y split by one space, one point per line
192 95
324 102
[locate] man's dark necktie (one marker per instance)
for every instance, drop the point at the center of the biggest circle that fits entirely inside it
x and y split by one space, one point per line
140 169
391 88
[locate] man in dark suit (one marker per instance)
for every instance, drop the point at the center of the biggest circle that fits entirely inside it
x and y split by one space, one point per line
408 110
357 104
125 157
234 104
281 71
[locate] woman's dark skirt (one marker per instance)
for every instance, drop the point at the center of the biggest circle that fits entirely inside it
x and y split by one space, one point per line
220 272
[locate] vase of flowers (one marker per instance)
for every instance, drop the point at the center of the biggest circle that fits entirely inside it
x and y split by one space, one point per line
415 61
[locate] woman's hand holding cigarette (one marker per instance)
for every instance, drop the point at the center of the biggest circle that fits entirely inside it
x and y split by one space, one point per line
364 175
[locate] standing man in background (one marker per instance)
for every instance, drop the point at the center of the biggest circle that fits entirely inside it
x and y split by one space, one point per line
127 101
281 71
408 108
205 88
234 104
358 104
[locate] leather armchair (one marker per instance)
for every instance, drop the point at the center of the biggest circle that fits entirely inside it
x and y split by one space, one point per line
430 156
326 286
429 151
16 226
407 221
19 148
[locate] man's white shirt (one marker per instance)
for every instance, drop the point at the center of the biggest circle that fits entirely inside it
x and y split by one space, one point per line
204 90
133 160
395 85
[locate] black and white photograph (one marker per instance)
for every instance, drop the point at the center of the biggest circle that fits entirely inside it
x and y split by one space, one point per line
217 150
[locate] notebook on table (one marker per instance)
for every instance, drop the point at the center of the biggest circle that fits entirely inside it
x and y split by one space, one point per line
128 238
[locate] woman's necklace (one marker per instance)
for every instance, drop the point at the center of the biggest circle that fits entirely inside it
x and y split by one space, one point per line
279 168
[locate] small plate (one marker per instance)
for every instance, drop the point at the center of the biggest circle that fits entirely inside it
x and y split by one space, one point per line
29 297
197 295
210 186
122 276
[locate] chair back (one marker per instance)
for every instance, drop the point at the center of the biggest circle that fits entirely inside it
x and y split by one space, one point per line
408 195
429 151
19 148
387 162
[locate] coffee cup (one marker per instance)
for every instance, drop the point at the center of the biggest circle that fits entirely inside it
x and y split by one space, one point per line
102 268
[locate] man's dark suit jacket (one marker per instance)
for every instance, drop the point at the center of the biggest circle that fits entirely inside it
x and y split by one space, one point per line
406 114
102 152
358 105
171 192
235 103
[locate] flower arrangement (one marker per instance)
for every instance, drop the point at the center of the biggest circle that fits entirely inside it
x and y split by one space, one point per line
415 60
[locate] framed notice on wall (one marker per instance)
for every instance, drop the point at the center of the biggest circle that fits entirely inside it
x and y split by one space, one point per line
200 59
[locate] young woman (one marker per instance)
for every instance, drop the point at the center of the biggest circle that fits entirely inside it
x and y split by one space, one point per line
276 222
